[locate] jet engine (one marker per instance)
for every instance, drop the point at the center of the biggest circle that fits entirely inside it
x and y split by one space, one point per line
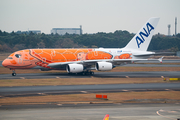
103 66
74 68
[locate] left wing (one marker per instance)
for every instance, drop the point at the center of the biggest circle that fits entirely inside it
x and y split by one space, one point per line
91 62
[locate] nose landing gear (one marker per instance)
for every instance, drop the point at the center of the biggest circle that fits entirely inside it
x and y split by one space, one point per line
14 73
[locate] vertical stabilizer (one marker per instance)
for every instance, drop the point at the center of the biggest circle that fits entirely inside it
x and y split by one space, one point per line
142 39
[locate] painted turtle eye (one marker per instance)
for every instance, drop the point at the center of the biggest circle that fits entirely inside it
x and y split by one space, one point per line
18 55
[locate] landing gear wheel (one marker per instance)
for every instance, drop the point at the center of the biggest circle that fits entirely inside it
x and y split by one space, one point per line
13 74
91 73
86 73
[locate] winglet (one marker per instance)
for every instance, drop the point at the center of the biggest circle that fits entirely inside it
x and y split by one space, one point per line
106 117
160 59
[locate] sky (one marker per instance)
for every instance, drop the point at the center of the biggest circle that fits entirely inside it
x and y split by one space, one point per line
94 15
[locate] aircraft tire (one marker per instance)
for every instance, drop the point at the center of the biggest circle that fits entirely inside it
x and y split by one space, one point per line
91 73
13 74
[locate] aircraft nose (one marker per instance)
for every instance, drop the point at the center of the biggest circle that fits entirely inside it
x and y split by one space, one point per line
5 63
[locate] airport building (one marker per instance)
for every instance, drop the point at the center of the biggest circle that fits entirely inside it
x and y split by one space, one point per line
29 31
178 53
35 31
63 31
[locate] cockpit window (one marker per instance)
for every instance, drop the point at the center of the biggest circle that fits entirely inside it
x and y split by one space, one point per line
9 58
18 55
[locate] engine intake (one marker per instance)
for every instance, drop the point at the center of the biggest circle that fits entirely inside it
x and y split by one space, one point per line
74 68
103 66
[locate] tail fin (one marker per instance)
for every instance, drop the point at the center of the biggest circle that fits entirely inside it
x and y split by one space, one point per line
142 39
106 117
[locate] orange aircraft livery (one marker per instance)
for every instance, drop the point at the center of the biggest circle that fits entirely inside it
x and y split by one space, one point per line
83 61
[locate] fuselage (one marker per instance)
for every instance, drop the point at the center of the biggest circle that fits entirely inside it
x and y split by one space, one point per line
40 58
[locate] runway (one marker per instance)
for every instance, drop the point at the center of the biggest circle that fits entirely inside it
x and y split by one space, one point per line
91 112
81 89
96 74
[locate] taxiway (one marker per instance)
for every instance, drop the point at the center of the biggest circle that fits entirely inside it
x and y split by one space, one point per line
96 74
81 89
91 112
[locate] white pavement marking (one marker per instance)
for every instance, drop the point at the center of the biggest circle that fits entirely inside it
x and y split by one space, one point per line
127 76
172 111
84 91
125 90
157 112
42 93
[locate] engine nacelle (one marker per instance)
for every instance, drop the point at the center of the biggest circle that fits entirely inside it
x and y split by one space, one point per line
74 68
103 66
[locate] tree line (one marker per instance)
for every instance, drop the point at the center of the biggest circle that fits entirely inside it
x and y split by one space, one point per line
10 42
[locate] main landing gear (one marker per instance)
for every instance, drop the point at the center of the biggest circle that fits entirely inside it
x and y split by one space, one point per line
14 73
86 73
83 73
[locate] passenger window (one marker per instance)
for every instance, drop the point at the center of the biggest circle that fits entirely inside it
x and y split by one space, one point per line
18 55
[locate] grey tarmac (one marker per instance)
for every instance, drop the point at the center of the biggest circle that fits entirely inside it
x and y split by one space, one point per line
96 74
91 112
77 89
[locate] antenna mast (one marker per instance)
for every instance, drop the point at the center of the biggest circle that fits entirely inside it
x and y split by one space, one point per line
175 26
169 33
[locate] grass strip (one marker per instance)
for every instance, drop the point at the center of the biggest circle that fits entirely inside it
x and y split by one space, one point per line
77 81
121 97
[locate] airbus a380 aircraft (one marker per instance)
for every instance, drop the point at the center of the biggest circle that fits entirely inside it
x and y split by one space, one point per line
85 60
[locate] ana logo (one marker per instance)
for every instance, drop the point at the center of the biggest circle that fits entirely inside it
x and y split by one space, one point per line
140 39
